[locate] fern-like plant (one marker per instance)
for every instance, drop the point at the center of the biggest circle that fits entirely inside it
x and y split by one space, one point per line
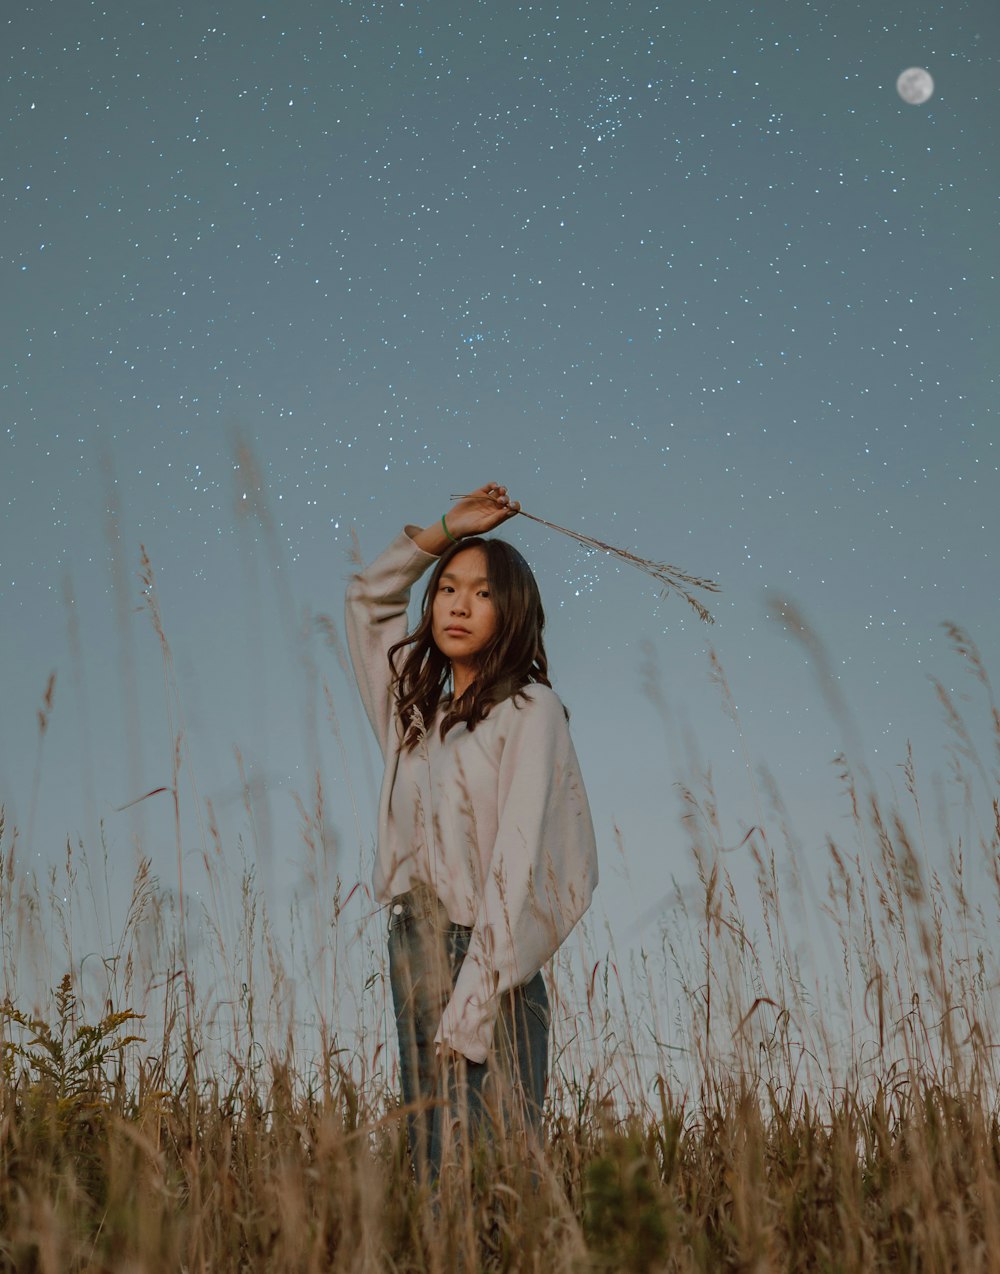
67 1062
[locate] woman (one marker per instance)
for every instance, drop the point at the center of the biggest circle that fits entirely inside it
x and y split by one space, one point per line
486 855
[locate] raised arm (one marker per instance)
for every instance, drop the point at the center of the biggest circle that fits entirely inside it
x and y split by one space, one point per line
375 618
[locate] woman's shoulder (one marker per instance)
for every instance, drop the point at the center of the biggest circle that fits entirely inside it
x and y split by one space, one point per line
536 702
538 692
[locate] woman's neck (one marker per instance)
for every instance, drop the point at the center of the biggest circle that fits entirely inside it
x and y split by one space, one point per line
462 677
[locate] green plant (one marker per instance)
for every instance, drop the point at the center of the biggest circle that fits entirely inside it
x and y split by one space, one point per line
626 1214
66 1062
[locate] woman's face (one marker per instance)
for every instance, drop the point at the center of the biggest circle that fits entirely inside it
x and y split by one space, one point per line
463 619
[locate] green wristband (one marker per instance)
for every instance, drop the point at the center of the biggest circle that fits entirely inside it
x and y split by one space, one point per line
444 526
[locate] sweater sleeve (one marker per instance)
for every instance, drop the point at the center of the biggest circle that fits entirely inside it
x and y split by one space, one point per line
541 877
377 599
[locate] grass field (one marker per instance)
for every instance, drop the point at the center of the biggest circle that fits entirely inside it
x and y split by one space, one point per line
770 1121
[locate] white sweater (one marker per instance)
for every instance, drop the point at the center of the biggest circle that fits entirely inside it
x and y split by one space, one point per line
495 820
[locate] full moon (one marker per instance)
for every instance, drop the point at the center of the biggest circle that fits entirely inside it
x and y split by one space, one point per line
915 85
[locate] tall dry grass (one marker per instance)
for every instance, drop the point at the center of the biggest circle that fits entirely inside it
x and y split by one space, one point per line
719 1100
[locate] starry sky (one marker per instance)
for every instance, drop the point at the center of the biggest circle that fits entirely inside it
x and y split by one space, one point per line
691 279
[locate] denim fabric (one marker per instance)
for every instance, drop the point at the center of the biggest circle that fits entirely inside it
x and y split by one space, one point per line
459 1100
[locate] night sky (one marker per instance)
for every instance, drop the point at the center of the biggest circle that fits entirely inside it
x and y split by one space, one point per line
691 279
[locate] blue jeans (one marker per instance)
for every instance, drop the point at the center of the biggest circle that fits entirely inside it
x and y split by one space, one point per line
459 1101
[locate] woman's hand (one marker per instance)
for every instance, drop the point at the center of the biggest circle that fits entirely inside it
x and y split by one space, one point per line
473 514
480 511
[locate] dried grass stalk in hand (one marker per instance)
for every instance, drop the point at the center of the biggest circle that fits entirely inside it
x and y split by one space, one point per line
673 579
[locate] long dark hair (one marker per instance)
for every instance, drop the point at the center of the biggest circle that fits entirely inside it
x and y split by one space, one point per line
513 658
